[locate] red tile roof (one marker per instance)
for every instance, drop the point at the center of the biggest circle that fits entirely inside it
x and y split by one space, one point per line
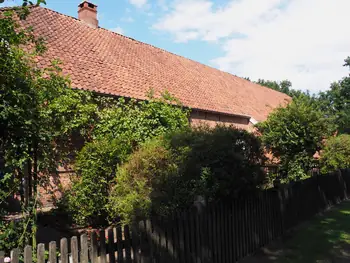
106 62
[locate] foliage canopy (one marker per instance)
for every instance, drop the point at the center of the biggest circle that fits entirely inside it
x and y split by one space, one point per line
336 154
173 171
296 132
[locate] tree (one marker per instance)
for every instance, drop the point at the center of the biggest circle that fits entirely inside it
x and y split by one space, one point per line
336 102
39 113
170 172
284 86
296 132
121 126
336 154
27 2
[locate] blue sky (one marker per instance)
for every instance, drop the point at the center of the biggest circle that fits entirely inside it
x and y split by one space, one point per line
136 20
303 41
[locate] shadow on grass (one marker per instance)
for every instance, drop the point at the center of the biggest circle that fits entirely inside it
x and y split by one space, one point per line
325 238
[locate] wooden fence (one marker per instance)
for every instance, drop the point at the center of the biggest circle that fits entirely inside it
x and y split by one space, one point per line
217 233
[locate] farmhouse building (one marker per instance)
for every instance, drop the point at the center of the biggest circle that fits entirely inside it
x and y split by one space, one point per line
106 62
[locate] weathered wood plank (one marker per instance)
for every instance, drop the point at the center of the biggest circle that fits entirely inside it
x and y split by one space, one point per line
103 252
84 249
164 253
74 249
192 229
14 255
52 252
127 242
120 255
28 254
64 257
94 248
181 238
41 253
2 256
111 248
135 243
210 253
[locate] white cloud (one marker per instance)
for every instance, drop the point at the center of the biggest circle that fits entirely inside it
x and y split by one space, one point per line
127 19
118 30
162 4
303 41
138 3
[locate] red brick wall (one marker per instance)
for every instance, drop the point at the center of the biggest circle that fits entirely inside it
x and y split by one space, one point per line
212 119
52 191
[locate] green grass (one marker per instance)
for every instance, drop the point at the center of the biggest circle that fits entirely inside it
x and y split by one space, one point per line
323 239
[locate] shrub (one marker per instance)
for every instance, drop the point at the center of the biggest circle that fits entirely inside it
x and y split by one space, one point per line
138 181
229 159
295 133
121 126
336 154
95 167
171 172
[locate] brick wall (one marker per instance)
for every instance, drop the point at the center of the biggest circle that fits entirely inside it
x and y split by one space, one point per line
212 119
52 191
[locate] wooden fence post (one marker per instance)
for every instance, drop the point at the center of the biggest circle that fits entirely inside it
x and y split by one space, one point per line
41 253
2 256
84 253
127 242
28 254
103 253
74 249
94 248
64 251
14 255
120 255
111 247
135 243
52 252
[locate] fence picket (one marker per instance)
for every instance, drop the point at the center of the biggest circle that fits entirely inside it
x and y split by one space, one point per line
52 252
103 251
135 243
41 253
192 236
120 255
211 255
162 241
28 254
127 242
84 249
111 247
94 247
181 252
14 255
64 251
74 249
186 222
218 233
149 246
2 256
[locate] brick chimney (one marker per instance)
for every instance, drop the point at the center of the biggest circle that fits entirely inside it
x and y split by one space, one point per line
87 12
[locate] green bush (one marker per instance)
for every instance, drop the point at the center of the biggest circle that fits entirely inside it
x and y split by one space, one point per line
138 181
295 133
169 173
229 159
336 154
120 128
95 167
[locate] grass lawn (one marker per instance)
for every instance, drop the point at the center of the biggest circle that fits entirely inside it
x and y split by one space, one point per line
323 239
